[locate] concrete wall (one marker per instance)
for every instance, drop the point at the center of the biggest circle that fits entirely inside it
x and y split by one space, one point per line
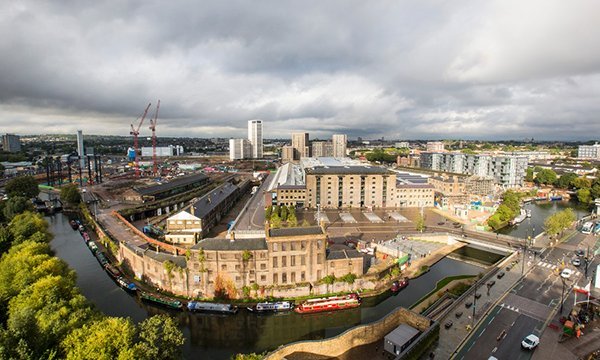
360 335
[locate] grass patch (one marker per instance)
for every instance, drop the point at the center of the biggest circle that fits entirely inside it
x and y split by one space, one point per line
440 284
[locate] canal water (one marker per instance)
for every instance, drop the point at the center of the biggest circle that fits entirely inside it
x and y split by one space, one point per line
219 337
540 210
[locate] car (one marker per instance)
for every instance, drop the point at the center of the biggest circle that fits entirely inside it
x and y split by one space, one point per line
579 252
441 223
458 314
576 262
566 273
448 324
491 283
530 342
468 304
500 275
477 295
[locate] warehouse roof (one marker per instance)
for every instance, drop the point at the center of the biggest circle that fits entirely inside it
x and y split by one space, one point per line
173 184
228 245
210 201
297 231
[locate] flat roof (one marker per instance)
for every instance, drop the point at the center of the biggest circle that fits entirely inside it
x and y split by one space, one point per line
235 245
297 231
353 169
409 178
162 257
344 254
210 201
402 334
287 175
175 183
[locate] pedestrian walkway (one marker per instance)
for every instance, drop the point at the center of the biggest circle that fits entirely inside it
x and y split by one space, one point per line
396 216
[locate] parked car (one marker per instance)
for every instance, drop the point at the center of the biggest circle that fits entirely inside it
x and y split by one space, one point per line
441 223
566 273
500 275
576 262
530 342
468 304
491 283
579 252
448 324
477 295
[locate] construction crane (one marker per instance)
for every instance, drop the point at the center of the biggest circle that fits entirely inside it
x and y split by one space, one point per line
135 132
153 128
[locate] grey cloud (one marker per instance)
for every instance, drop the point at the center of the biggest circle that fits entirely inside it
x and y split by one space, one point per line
464 69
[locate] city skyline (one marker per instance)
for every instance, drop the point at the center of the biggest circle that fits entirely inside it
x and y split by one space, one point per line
497 70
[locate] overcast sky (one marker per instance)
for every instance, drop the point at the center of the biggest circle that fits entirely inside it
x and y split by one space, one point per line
505 69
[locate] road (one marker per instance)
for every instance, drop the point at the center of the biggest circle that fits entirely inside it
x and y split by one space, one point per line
254 216
527 307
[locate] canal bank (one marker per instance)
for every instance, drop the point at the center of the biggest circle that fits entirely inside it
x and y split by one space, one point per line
218 337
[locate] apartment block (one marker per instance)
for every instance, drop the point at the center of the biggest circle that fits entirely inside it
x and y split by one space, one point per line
589 151
339 145
240 149
11 143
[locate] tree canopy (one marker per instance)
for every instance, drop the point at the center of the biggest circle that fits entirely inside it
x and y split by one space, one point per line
559 221
25 186
546 177
70 194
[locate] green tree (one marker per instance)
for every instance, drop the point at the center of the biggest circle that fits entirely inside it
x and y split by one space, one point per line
275 221
25 186
284 213
268 212
29 225
529 175
420 223
546 176
292 220
328 280
305 223
565 181
584 196
252 356
16 205
559 221
159 338
581 183
107 339
70 194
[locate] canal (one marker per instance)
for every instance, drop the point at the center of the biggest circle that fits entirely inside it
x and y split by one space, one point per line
218 337
540 210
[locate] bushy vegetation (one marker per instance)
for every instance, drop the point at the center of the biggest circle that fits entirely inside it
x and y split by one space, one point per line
70 194
508 209
43 315
278 215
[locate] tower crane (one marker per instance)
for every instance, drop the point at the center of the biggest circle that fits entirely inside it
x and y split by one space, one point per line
135 132
153 128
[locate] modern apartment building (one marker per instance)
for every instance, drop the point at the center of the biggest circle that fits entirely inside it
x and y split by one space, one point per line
287 154
589 151
506 170
11 143
300 143
255 137
239 149
322 149
339 145
402 144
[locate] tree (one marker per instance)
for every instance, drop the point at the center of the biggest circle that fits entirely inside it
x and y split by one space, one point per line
305 223
420 223
25 186
26 225
584 196
284 213
559 221
529 175
581 183
106 339
292 220
159 338
16 205
329 280
268 212
565 181
546 176
275 221
70 194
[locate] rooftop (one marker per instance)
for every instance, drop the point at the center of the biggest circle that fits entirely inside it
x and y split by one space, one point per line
162 257
411 178
402 334
235 245
173 184
354 169
287 175
208 202
344 254
297 231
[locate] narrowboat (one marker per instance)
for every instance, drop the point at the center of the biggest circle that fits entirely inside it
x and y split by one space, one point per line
212 307
74 224
556 198
101 258
272 307
112 271
93 247
172 304
128 286
329 304
399 285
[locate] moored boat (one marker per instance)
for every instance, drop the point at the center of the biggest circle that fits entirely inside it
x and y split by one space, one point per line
272 306
399 285
212 307
128 286
329 304
93 247
172 304
556 198
101 258
74 224
519 219
528 213
112 271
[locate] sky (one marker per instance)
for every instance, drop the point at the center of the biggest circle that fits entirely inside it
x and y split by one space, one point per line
506 69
